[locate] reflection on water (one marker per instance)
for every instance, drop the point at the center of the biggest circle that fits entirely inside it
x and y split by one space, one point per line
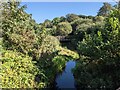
66 79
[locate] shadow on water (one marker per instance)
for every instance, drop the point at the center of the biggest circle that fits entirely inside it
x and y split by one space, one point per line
66 78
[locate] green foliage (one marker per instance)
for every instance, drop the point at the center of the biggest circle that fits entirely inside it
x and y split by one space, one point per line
49 44
64 28
18 70
46 48
90 46
83 28
59 62
96 75
51 31
72 17
99 18
105 43
81 25
18 28
25 37
84 16
47 24
68 53
102 52
105 9
63 19
56 20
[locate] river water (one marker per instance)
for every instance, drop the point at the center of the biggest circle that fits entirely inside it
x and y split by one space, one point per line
66 79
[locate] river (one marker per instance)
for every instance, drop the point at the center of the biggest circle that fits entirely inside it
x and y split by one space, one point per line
66 78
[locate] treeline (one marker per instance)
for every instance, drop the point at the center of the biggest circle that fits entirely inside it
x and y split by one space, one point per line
76 26
71 24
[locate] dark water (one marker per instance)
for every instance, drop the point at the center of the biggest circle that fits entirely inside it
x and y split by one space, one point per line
66 79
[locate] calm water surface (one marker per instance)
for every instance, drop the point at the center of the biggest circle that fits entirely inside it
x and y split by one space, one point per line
66 79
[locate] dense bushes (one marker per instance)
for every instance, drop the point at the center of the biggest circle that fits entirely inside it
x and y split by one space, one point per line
50 44
104 39
68 53
23 42
96 75
18 70
99 68
18 28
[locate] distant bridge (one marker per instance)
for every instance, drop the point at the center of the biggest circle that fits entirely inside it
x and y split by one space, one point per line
63 38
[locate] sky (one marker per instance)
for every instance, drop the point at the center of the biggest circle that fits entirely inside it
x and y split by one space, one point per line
48 10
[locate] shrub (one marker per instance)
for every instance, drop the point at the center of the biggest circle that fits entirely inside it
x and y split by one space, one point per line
18 71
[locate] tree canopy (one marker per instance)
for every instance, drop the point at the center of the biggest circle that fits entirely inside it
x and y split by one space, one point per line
105 9
63 28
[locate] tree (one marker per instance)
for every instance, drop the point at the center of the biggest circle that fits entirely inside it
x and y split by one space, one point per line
56 20
80 25
72 17
98 18
49 44
105 9
18 28
64 28
47 24
63 19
